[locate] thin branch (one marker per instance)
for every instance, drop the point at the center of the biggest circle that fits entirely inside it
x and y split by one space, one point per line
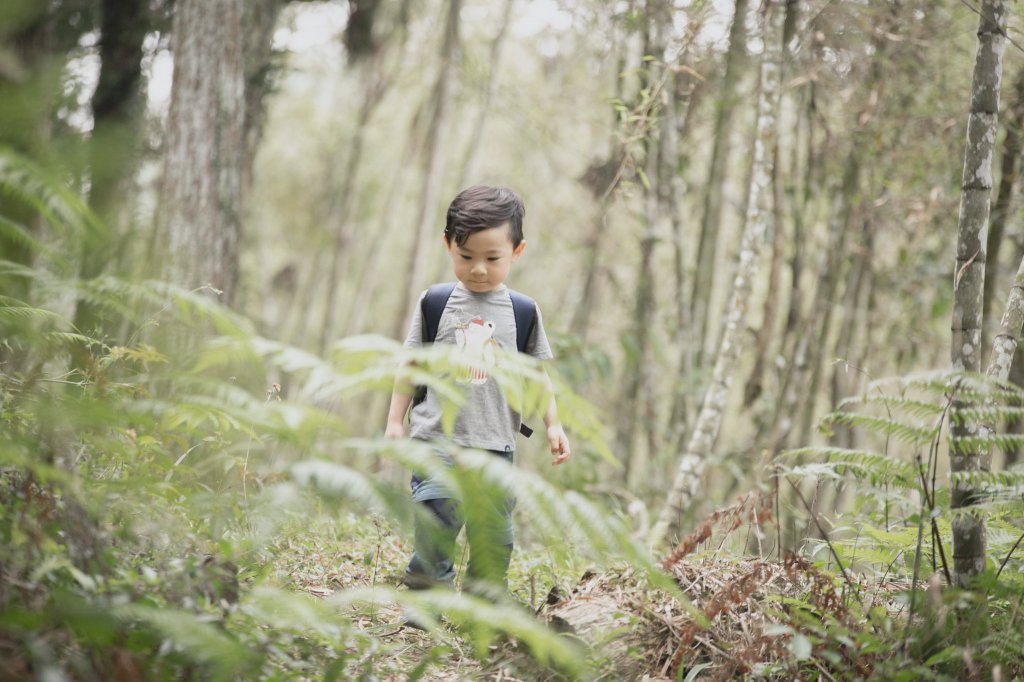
824 535
1012 550
1001 30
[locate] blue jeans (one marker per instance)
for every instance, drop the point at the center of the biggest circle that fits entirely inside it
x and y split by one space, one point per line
489 533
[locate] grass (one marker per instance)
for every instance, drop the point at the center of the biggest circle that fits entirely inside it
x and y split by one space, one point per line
334 552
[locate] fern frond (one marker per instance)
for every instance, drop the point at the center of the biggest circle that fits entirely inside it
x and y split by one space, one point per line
862 464
970 386
334 480
479 620
986 414
201 641
12 269
916 408
152 299
907 433
15 311
1003 441
19 234
62 208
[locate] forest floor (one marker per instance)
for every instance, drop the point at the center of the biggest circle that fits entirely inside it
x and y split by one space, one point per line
630 630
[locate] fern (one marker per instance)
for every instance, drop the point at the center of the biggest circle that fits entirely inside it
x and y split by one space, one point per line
1004 441
915 408
480 618
63 209
910 434
969 387
862 464
986 413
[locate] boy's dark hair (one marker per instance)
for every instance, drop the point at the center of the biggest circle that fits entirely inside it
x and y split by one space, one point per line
481 207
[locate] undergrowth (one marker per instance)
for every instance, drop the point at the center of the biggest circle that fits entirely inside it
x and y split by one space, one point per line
207 514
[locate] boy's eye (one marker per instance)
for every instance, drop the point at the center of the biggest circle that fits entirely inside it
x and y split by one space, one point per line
493 258
465 257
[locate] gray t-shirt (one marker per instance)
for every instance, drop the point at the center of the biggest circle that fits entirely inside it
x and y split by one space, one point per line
476 323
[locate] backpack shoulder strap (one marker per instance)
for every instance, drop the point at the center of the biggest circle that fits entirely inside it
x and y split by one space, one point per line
432 307
525 310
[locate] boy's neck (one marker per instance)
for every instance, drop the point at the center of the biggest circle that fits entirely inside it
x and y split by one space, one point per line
460 285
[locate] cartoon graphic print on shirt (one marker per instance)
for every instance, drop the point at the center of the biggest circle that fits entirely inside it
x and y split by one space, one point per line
476 344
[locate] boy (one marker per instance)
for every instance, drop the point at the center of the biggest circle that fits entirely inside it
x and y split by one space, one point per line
484 236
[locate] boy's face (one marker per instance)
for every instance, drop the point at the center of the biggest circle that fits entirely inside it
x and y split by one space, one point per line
483 262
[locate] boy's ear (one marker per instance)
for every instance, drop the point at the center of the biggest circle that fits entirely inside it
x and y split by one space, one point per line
518 251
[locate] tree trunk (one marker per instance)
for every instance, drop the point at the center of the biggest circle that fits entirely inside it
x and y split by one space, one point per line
969 276
637 369
601 179
830 273
471 165
705 430
707 245
766 333
116 108
682 104
846 371
343 204
260 19
1009 171
1015 426
428 226
201 187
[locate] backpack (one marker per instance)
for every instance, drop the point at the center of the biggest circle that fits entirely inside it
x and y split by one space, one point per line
432 307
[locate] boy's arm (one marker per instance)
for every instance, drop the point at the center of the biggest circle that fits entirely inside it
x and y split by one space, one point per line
401 397
556 434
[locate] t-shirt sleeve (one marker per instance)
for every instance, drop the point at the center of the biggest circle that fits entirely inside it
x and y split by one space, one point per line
537 345
414 339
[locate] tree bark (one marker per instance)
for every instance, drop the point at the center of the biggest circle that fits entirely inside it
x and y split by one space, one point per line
766 333
116 108
1009 171
682 104
691 464
707 245
343 204
471 166
969 277
427 223
830 273
637 369
601 179
201 188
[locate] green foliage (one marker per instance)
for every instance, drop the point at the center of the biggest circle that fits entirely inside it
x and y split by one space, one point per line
900 531
143 492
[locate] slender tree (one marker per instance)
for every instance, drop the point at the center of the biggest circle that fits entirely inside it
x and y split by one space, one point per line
707 246
969 277
638 370
766 332
474 148
428 227
113 144
201 189
1009 171
691 463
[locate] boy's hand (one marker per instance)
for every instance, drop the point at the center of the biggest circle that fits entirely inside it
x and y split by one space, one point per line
559 444
394 430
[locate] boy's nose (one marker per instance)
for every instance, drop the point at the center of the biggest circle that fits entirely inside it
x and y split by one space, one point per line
478 269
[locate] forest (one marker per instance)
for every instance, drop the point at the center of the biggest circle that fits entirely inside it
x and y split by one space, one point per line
779 250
